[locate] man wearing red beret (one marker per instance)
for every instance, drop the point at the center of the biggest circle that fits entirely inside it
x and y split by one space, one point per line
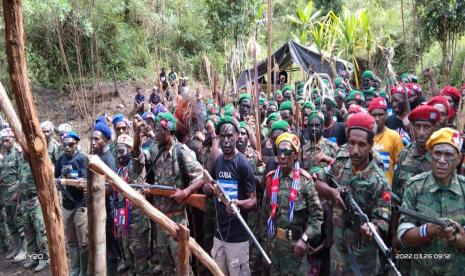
441 103
453 95
399 121
370 189
387 142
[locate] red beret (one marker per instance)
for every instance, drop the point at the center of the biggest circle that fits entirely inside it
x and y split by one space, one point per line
399 90
355 108
414 87
439 100
425 113
378 103
361 121
452 92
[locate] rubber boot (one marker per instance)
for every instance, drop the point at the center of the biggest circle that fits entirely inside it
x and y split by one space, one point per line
16 246
42 264
83 257
74 260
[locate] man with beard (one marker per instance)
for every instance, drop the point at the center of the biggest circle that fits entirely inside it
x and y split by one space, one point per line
52 144
332 130
439 193
121 126
399 120
441 103
235 174
130 223
101 136
387 142
295 214
354 249
172 164
286 110
319 151
73 164
9 190
414 158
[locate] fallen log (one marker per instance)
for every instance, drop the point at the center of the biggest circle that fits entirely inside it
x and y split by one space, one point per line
151 212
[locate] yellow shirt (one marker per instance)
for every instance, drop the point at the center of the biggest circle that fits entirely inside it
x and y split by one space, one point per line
388 144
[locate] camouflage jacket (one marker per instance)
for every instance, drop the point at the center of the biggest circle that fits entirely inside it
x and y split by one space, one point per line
343 152
53 151
410 162
10 166
308 214
310 151
26 181
424 195
173 168
368 189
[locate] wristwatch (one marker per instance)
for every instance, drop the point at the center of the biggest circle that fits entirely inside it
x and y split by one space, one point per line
304 237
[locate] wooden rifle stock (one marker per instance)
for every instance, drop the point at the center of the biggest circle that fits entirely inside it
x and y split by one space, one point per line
194 200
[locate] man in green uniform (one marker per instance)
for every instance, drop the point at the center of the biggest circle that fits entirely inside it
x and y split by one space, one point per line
439 193
354 249
9 186
414 158
32 219
295 215
52 145
5 238
174 165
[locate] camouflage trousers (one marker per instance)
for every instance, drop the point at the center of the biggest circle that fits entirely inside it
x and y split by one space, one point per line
255 259
168 248
283 258
136 247
34 227
13 216
5 238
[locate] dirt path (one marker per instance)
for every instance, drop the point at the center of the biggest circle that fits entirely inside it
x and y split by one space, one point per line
8 268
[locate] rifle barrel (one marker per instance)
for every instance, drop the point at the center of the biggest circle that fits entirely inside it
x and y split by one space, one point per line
420 216
153 186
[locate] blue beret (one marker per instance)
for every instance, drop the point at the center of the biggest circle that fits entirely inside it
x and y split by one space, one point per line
73 135
103 128
101 119
148 115
118 118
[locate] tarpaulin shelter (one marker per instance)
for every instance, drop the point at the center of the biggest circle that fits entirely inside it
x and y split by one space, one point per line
309 60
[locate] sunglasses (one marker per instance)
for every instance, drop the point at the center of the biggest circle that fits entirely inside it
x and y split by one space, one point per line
68 145
286 152
123 128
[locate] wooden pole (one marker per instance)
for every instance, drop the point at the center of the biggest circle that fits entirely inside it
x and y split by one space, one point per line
183 238
96 216
35 138
268 63
12 118
151 212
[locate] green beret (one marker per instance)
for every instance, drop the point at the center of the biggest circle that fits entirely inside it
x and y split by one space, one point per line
287 105
287 88
272 103
227 119
210 101
368 74
262 101
245 126
309 104
300 85
370 92
315 114
275 116
317 102
356 95
167 120
382 94
280 125
315 94
339 92
404 77
245 96
331 102
278 92
228 109
338 80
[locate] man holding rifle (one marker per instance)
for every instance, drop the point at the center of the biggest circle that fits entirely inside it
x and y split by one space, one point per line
439 193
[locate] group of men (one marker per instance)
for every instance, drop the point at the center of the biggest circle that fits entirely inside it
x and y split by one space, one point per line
290 174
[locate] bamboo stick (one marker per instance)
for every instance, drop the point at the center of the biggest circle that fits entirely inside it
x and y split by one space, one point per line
151 212
35 138
96 216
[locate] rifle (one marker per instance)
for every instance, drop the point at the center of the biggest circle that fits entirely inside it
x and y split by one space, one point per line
444 223
226 200
194 200
359 218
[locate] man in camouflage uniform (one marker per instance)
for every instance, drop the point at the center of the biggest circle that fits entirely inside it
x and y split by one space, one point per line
131 224
32 219
354 249
415 158
439 193
290 229
52 145
5 242
253 218
9 185
174 164
319 151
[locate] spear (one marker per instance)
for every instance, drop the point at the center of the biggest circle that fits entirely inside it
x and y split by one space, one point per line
253 47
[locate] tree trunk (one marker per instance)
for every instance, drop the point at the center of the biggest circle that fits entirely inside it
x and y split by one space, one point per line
38 155
183 254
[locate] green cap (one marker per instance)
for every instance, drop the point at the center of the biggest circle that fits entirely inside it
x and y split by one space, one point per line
228 109
370 92
245 96
287 105
272 103
227 119
275 116
280 125
331 102
262 101
278 92
309 104
287 88
382 94
245 126
315 114
356 95
338 80
368 74
167 120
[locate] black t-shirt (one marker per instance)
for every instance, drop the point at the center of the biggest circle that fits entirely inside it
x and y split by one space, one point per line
394 123
236 176
77 166
336 134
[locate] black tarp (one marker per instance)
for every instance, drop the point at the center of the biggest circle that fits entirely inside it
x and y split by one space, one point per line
292 52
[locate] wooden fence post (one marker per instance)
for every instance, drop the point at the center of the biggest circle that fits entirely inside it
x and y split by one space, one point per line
183 239
96 216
